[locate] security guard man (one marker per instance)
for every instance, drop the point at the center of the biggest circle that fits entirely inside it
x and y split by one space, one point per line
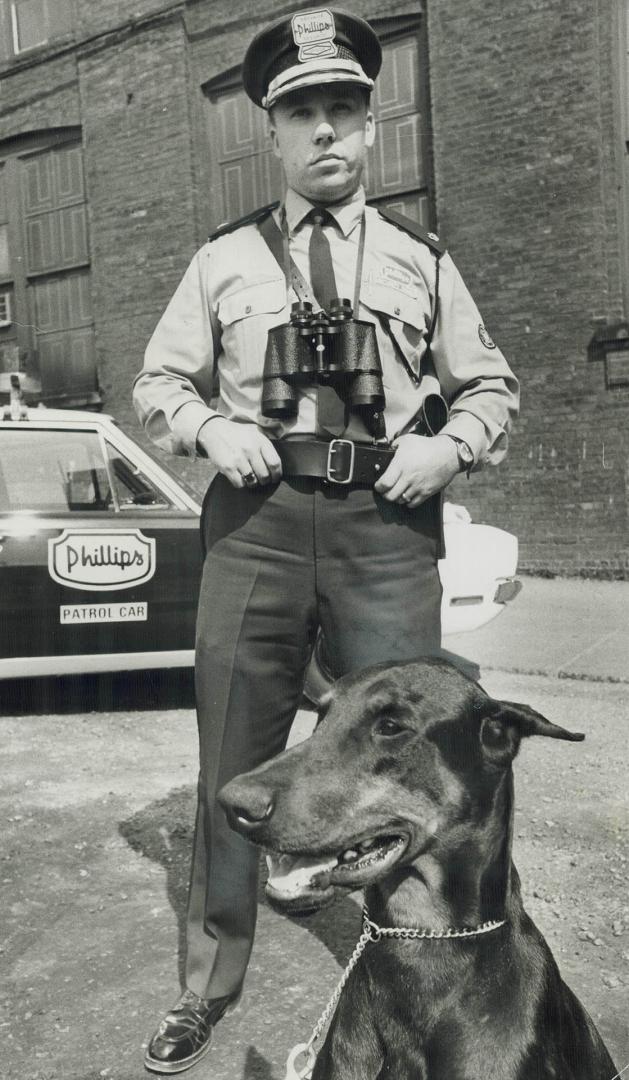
325 508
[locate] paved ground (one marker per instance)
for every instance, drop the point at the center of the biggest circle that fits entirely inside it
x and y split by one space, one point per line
97 809
567 627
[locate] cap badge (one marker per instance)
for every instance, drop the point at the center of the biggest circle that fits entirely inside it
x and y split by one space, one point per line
313 33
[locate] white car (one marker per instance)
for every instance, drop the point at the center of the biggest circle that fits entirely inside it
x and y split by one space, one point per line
100 556
478 572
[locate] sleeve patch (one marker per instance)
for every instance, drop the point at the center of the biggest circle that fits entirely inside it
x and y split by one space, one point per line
487 341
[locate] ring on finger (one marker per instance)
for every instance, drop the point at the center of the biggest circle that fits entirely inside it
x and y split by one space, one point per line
405 498
249 479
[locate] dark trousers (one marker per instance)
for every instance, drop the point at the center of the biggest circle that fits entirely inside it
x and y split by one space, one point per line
280 562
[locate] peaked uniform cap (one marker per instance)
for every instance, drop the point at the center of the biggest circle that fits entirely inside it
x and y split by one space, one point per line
308 48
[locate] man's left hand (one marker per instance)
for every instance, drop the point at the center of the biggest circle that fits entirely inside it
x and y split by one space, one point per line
421 466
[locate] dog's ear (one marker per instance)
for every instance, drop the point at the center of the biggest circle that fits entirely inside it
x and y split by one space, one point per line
507 722
324 706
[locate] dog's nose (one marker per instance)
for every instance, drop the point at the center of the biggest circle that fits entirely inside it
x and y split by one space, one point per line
247 810
248 818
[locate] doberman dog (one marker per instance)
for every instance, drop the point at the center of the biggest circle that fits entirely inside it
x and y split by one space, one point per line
406 789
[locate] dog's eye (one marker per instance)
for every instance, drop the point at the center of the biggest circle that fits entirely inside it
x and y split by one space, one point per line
494 735
388 727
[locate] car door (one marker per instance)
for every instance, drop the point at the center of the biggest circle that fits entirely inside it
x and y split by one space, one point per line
96 560
151 502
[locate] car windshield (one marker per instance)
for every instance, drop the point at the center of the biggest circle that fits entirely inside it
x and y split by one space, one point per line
52 471
56 472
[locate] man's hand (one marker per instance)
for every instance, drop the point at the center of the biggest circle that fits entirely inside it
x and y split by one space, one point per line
240 452
421 466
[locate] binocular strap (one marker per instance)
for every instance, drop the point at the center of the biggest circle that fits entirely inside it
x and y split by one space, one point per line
332 418
276 240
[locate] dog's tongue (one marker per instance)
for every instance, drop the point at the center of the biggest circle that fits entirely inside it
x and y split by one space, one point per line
290 876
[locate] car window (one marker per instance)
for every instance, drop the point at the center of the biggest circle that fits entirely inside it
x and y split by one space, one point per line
133 487
53 471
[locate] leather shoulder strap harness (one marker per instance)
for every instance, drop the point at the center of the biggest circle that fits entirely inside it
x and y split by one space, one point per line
414 229
249 219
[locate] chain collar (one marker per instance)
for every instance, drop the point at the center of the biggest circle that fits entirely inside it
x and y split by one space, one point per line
376 933
372 933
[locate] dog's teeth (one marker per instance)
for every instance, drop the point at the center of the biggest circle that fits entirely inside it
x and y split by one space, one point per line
350 855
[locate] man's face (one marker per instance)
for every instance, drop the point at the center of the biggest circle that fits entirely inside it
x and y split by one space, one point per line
321 136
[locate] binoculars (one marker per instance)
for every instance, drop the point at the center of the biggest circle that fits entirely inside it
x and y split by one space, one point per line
327 348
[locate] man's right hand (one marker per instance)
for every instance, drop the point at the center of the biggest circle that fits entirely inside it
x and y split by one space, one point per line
240 452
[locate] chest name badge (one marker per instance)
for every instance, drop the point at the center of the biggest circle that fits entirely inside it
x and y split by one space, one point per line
394 277
397 275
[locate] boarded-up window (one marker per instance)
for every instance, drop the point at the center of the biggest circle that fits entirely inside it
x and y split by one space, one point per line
54 208
49 271
4 231
9 357
397 173
623 138
250 174
36 22
244 174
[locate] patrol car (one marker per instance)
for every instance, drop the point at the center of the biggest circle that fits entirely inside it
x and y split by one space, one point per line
99 549
100 557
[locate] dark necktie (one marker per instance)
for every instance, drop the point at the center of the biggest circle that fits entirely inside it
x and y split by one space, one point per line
321 268
331 418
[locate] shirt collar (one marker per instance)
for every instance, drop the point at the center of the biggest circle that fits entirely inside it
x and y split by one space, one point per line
347 214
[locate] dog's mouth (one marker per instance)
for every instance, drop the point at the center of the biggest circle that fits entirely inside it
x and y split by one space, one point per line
301 884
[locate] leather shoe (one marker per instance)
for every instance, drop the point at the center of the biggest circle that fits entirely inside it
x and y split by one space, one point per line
185 1033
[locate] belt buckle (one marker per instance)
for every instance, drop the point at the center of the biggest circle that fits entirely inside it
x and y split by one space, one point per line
337 446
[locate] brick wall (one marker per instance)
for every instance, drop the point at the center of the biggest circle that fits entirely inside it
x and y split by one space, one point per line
523 139
524 154
31 102
136 135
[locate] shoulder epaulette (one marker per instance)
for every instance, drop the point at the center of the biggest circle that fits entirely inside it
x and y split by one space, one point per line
249 219
414 228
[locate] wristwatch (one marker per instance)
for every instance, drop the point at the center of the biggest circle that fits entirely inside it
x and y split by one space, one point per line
465 455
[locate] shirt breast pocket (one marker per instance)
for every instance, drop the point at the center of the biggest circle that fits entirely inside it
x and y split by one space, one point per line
246 316
407 321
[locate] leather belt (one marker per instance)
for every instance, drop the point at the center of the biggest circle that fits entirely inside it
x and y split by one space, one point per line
340 461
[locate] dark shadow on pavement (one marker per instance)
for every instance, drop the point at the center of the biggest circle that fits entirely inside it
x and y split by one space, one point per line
257 1067
163 832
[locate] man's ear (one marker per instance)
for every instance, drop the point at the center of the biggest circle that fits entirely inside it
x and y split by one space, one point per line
272 133
506 723
370 130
